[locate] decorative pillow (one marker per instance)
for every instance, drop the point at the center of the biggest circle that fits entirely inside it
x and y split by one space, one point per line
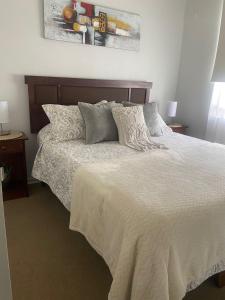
44 135
129 104
132 128
99 123
66 121
154 122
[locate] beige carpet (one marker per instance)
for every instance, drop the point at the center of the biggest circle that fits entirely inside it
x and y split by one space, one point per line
49 262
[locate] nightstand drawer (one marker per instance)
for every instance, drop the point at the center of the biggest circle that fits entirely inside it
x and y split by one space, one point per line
11 146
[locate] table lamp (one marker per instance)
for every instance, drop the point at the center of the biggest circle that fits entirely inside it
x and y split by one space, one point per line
4 116
172 109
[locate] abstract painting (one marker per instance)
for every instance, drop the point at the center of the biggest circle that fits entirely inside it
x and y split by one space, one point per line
85 23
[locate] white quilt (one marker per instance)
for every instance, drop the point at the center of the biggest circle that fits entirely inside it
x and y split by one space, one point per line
157 218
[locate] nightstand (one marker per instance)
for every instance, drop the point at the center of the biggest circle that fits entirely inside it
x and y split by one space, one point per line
13 155
179 128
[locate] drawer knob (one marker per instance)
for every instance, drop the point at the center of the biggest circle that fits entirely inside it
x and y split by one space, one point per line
3 148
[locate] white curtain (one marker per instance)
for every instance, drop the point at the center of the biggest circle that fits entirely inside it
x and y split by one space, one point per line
219 66
216 119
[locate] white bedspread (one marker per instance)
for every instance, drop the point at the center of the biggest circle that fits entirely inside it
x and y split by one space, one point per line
157 218
56 162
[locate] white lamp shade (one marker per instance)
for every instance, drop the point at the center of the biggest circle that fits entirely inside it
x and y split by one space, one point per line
4 112
172 109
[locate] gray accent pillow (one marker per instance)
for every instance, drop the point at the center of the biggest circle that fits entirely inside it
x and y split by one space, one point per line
154 122
99 122
153 119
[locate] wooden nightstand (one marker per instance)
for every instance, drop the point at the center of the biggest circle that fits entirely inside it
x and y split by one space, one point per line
179 128
13 155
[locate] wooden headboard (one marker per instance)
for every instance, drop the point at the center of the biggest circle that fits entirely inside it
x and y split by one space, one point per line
70 91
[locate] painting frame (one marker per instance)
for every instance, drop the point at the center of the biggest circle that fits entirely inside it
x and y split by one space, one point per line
85 23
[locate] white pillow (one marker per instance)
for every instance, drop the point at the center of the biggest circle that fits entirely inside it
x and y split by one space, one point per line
66 121
132 128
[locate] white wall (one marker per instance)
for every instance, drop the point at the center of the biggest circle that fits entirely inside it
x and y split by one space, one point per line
194 90
24 51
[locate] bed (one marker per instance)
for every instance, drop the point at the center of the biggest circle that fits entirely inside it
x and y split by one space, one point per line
67 157
157 249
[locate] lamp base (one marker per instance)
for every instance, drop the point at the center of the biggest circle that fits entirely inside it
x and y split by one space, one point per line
4 132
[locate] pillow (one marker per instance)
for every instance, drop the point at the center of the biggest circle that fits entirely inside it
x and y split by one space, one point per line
66 121
132 128
99 123
129 104
44 135
154 122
